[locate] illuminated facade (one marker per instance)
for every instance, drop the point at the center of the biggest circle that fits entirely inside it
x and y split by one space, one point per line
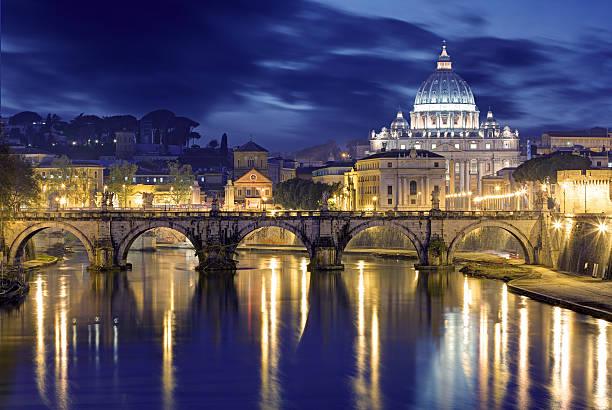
584 192
593 139
446 120
395 180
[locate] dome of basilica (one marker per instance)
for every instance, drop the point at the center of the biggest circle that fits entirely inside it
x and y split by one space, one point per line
444 86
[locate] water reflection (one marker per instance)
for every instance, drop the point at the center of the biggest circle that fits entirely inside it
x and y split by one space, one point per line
377 335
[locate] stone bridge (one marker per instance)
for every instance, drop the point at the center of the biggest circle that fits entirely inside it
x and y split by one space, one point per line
108 234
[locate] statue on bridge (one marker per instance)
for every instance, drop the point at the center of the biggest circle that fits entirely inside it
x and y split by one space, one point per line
324 199
435 198
107 200
147 199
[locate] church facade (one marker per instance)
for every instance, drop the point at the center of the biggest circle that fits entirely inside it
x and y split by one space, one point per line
445 120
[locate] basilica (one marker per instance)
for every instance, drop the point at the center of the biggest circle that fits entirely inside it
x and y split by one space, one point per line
445 120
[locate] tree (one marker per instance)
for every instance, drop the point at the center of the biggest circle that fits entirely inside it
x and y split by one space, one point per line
181 181
213 144
543 169
121 180
302 193
19 187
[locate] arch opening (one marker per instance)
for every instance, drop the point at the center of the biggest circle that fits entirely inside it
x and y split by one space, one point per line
59 239
273 235
499 240
156 237
382 235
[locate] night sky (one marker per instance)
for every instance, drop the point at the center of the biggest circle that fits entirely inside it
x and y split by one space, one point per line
294 73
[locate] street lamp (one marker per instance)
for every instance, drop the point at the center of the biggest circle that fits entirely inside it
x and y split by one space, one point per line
374 200
263 202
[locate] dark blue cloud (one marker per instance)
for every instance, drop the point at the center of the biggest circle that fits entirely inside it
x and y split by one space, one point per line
294 72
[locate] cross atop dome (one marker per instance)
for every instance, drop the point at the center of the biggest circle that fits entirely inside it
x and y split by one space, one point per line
444 62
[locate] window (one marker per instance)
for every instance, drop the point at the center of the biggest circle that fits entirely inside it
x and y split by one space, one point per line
95 174
433 146
43 174
162 179
417 145
457 146
436 164
598 163
238 163
412 201
457 169
506 144
248 191
403 146
261 163
413 188
390 201
473 166
240 192
389 164
267 192
473 145
389 190
147 179
251 163
134 180
154 179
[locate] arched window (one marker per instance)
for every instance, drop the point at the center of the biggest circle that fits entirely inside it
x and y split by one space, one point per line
413 188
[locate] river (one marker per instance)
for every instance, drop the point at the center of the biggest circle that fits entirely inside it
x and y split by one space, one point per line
377 335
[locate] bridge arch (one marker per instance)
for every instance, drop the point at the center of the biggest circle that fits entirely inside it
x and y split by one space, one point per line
252 227
346 238
124 246
522 239
18 243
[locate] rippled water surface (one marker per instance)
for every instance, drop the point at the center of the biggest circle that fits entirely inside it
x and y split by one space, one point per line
378 335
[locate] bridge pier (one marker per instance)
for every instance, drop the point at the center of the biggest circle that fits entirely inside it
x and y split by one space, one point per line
324 256
437 257
216 258
104 257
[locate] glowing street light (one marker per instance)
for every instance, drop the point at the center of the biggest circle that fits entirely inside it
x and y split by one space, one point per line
602 227
557 225
374 199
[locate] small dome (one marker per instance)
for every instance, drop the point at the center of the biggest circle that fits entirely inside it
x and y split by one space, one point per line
399 123
444 86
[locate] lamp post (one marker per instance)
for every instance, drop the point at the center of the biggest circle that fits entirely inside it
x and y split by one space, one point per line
124 198
564 185
374 200
263 203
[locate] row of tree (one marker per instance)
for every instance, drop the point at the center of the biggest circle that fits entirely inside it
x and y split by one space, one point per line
304 194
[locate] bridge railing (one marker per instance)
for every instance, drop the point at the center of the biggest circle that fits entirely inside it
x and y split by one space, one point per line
95 213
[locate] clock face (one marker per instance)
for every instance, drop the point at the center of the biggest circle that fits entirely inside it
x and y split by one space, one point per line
253 177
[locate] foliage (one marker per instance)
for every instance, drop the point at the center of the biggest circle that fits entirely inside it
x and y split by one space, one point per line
302 193
19 185
437 247
545 168
121 180
181 181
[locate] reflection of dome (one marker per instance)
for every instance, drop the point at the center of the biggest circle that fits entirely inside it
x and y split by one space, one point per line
399 123
444 86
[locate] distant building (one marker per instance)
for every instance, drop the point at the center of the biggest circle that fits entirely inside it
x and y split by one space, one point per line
281 169
332 172
32 155
124 145
72 187
400 180
500 192
252 190
446 120
593 139
248 157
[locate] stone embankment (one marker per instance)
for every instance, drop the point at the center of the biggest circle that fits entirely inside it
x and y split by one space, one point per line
576 292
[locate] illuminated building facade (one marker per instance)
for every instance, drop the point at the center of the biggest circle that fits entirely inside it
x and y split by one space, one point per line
446 120
400 180
587 191
593 139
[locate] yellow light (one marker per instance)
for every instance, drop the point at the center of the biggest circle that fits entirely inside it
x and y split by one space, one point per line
374 199
45 188
63 186
62 201
105 187
557 225
544 187
602 227
497 188
264 198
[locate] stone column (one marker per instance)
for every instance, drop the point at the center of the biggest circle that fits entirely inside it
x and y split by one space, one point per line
427 191
480 174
